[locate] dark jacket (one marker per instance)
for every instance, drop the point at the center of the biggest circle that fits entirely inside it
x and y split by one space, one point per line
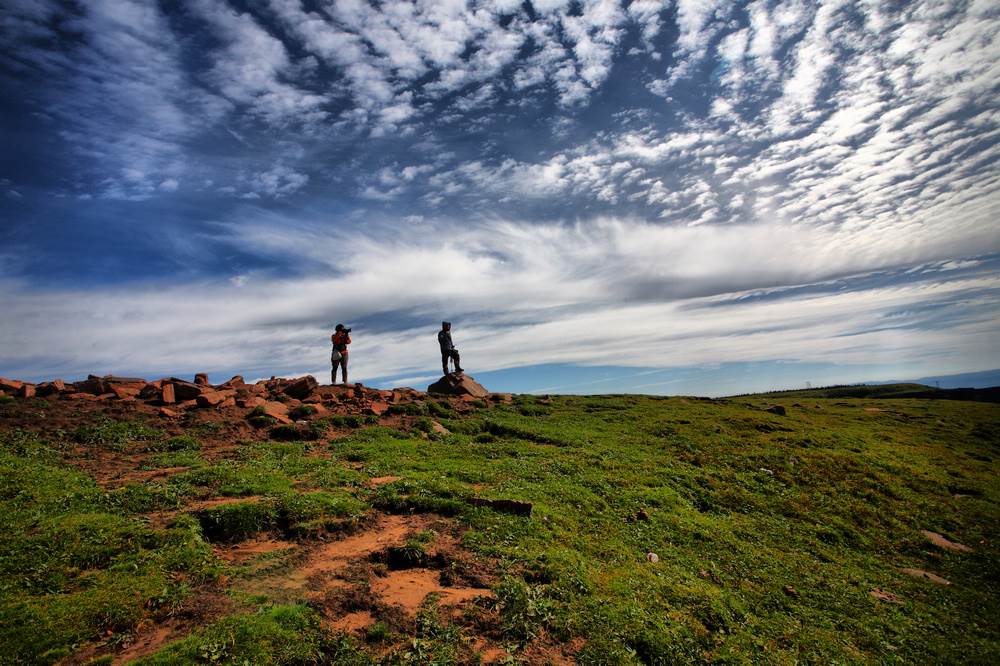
444 339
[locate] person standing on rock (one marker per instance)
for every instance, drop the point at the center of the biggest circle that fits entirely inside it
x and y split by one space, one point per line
448 350
338 357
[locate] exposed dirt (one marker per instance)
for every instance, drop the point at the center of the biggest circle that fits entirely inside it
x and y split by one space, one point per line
352 622
944 543
409 588
382 480
926 575
241 552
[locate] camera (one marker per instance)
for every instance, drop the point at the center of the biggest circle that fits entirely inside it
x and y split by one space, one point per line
347 330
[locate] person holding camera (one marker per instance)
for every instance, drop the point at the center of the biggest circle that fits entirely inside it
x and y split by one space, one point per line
448 350
338 357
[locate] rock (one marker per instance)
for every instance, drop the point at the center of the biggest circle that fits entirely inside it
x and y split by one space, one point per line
250 401
81 396
26 391
776 409
151 391
652 558
505 398
378 407
94 385
185 390
888 597
233 382
167 394
50 388
641 514
942 542
458 384
10 385
791 591
125 392
439 429
504 505
301 387
927 575
214 398
278 411
201 379
137 381
228 402
168 413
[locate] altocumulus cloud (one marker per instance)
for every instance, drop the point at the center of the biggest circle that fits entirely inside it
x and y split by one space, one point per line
654 184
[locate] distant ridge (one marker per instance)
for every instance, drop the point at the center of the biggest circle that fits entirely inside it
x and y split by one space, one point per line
907 390
981 379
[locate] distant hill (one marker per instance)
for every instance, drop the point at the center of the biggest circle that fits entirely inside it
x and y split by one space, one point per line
982 379
899 390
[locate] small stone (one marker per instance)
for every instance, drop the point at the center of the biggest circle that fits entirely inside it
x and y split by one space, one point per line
641 514
776 409
888 597
652 557
946 544
926 575
791 591
168 413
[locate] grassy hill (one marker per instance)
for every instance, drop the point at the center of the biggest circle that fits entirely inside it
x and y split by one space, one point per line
777 539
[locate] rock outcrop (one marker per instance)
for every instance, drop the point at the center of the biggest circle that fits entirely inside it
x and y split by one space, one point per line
458 383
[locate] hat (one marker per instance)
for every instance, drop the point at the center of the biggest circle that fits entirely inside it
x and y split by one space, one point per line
446 323
339 327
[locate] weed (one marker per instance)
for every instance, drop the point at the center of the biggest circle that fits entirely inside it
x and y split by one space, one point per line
115 434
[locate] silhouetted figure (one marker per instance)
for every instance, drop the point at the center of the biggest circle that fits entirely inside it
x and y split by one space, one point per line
338 357
448 350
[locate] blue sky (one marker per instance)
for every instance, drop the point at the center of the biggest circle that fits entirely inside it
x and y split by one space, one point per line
654 196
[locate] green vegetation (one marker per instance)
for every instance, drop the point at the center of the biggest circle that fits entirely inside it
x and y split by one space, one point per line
770 532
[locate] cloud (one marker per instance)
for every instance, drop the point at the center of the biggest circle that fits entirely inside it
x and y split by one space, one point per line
672 296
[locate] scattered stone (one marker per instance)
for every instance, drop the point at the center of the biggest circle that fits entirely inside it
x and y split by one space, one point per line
50 388
458 384
168 413
652 558
504 505
927 575
26 391
378 407
151 391
228 402
233 382
439 429
641 514
214 398
776 409
124 391
94 385
302 387
885 596
185 390
942 542
791 591
251 402
10 385
278 411
81 396
201 379
767 471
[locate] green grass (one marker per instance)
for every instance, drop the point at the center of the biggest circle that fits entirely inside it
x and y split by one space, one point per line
770 531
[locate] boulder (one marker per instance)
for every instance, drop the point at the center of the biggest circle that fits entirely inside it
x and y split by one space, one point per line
776 409
111 379
378 407
50 388
214 398
201 379
94 385
167 394
168 413
277 410
458 384
125 391
10 385
301 387
81 396
27 391
250 401
151 391
185 390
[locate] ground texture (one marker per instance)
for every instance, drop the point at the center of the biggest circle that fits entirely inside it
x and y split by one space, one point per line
405 528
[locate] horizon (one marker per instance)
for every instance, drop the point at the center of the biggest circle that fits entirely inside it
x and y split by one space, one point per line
639 197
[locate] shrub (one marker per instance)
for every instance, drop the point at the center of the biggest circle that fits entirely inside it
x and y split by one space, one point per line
301 412
179 443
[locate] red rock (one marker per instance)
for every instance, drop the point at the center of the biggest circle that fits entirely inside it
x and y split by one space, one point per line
301 387
151 391
228 402
50 388
378 407
27 391
124 392
439 429
277 410
112 379
502 397
201 379
169 413
81 396
214 398
187 404
94 385
184 390
458 384
107 396
167 396
10 385
233 382
251 401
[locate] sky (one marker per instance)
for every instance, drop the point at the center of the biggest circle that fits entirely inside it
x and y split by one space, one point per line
685 196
